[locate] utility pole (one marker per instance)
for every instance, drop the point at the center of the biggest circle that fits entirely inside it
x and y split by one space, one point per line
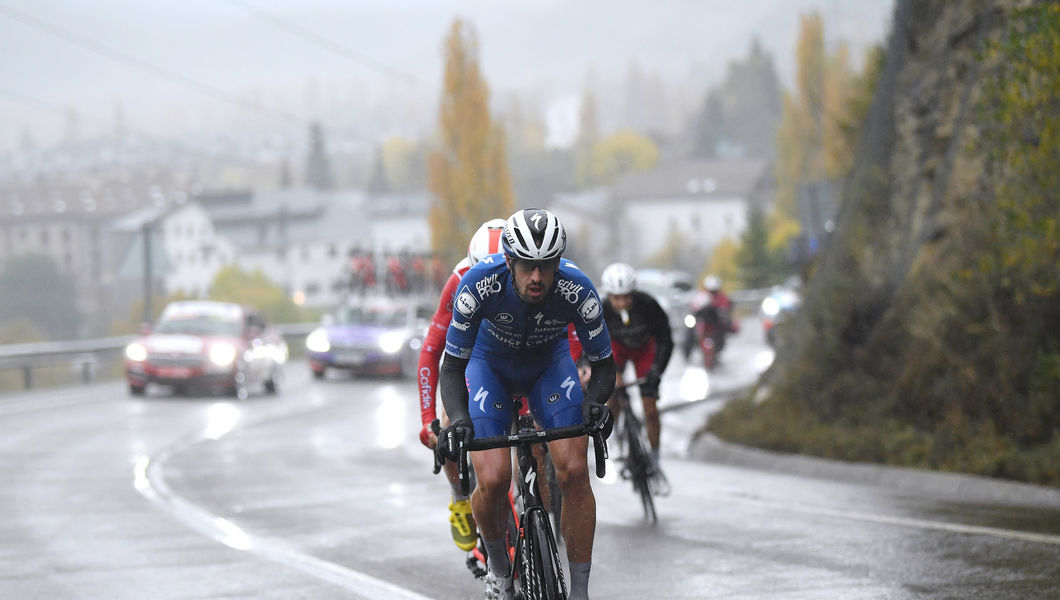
145 233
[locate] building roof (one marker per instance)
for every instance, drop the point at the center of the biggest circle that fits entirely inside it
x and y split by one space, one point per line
283 217
705 179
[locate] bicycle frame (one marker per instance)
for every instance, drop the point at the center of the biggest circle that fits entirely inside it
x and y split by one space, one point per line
536 556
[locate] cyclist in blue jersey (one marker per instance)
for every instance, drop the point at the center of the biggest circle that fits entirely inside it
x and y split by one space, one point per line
509 335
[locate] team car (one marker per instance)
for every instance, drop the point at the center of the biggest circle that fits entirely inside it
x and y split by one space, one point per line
369 337
217 346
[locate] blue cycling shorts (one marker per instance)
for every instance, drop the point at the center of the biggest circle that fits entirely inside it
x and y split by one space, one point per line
549 380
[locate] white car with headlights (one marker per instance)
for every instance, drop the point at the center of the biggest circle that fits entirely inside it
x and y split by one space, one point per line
216 346
369 336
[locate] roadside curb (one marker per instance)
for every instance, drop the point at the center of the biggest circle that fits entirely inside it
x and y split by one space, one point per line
706 447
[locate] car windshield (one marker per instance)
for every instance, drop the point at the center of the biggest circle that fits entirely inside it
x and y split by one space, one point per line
360 315
200 325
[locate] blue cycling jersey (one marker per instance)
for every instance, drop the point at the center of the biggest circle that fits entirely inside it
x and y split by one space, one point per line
517 348
488 315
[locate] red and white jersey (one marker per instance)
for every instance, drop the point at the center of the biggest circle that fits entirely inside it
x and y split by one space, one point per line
434 344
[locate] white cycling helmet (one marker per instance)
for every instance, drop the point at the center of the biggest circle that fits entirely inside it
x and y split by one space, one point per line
534 234
618 279
486 241
711 283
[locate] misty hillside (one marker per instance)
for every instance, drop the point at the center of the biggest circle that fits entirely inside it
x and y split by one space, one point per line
929 337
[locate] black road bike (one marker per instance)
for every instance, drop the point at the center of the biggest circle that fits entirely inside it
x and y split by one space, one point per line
638 466
536 563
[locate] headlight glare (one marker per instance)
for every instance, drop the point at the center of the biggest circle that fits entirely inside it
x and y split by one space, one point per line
222 354
770 306
392 341
317 341
136 352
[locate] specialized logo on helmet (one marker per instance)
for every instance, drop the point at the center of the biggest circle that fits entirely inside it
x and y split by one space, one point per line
488 286
569 290
590 309
466 303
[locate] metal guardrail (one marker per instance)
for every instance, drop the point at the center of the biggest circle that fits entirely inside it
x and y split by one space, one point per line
86 355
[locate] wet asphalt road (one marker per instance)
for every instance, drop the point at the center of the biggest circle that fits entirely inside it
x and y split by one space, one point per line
325 492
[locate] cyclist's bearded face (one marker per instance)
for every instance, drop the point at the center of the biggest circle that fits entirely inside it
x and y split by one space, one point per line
620 302
533 278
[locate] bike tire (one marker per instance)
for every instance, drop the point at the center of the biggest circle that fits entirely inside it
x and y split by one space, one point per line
639 462
540 571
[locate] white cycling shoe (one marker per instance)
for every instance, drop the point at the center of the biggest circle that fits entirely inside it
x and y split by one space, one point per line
499 588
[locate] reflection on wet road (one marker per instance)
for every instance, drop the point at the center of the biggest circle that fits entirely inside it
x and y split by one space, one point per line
325 492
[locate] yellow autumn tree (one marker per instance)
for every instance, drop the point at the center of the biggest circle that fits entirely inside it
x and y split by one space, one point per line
821 117
468 172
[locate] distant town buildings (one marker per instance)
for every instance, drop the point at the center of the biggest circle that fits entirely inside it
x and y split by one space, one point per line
309 241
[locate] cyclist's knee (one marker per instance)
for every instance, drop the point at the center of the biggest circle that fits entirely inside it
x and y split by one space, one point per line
572 474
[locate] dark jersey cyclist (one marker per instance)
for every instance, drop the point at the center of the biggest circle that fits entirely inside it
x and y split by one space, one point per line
509 334
640 334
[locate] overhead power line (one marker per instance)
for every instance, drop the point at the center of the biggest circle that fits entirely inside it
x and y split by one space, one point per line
44 106
172 76
337 48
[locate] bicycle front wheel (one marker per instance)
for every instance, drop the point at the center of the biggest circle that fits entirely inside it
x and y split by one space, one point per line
639 466
541 572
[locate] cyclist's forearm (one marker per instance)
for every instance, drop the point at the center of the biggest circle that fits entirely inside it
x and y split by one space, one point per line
601 381
664 348
452 386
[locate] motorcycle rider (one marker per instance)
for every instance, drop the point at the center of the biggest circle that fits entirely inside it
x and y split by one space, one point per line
716 313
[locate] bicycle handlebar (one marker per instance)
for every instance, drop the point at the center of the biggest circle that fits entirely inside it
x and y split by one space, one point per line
523 437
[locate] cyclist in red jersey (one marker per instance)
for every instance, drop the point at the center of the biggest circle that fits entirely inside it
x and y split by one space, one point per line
485 241
640 333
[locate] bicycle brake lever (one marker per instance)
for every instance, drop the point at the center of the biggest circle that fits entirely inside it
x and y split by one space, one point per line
600 447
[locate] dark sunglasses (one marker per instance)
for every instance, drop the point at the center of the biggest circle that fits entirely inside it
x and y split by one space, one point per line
550 265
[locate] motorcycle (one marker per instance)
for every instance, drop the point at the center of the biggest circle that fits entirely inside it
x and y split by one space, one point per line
711 329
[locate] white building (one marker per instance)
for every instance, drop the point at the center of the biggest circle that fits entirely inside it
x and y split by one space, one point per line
695 204
186 250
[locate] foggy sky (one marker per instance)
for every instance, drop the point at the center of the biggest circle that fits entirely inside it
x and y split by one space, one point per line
543 47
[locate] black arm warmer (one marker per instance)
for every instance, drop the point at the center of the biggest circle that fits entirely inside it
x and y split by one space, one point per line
601 381
453 388
664 339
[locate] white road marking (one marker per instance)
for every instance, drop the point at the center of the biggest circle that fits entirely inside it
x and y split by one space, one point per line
149 480
1026 536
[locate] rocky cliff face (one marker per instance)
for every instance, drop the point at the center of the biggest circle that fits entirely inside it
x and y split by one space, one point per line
904 321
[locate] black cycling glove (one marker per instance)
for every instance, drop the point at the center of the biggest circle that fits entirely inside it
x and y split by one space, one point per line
650 387
449 440
598 417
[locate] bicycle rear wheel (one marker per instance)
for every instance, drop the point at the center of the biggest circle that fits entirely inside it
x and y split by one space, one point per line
541 571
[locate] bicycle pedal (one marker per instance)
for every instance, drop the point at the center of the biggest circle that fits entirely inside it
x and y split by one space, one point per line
473 566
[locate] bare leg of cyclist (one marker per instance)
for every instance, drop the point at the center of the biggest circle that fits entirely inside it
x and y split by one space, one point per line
489 503
542 480
651 423
579 509
461 522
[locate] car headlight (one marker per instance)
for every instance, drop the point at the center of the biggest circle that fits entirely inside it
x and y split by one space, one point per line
392 341
770 306
136 352
317 341
222 354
